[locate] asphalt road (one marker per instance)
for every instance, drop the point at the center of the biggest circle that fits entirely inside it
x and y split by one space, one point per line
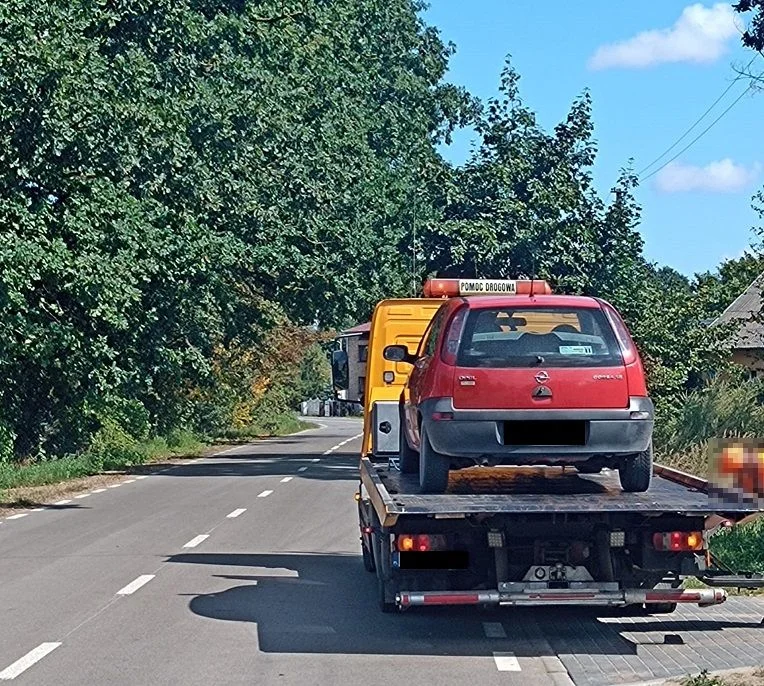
245 568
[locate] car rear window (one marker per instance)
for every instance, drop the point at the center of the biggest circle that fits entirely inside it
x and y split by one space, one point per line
530 337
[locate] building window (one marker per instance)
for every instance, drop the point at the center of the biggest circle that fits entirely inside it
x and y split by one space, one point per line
363 353
361 386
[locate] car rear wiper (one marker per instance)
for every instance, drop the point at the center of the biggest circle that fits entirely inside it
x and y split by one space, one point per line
539 359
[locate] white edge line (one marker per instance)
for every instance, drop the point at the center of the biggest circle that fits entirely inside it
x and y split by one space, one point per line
114 486
236 513
24 663
141 477
99 490
506 662
286 479
18 516
38 509
133 586
264 494
62 502
129 481
316 459
196 540
82 495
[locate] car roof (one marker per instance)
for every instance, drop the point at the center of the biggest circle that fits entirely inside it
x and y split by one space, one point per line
521 301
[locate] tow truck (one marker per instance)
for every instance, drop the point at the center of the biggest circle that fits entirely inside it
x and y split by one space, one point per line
517 536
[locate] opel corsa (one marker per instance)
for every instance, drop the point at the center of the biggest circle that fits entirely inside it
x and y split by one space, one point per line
524 378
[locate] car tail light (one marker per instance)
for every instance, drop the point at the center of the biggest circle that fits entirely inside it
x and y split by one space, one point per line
420 543
678 540
628 349
454 336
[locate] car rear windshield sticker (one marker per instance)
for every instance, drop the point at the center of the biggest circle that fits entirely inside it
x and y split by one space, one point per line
576 350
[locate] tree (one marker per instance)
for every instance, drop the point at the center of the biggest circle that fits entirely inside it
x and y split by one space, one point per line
753 37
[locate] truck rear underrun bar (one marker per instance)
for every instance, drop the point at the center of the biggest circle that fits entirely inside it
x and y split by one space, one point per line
703 597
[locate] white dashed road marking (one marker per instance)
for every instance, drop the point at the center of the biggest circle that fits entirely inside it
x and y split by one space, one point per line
62 502
236 513
24 663
506 662
99 490
18 516
494 630
316 459
302 469
82 495
286 479
143 476
115 486
130 481
133 586
265 494
196 541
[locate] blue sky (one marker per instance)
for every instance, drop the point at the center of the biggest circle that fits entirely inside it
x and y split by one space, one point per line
647 90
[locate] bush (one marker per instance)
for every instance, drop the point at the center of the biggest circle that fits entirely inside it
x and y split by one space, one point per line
724 408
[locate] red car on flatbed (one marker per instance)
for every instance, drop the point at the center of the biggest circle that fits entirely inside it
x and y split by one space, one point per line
524 379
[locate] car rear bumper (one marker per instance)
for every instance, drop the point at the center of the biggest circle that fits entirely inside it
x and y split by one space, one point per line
479 434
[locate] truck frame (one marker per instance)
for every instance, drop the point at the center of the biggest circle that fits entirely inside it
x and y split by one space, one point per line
542 536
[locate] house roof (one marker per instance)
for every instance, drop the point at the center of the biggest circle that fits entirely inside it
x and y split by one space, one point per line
746 309
357 330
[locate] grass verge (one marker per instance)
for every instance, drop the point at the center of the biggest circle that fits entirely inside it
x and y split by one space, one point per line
122 454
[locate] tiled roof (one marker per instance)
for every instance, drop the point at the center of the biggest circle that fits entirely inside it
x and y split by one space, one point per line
747 309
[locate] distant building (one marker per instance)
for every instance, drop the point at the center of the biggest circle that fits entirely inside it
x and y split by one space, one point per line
355 342
748 341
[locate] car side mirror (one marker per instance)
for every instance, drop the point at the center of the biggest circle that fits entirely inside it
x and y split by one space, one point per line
398 353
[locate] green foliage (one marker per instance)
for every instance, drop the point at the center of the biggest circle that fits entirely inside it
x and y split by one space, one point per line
727 407
178 176
741 548
704 679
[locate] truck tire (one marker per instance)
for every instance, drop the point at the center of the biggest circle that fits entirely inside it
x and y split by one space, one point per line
433 467
368 558
636 472
408 459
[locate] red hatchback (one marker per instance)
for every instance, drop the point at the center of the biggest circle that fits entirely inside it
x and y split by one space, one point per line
525 380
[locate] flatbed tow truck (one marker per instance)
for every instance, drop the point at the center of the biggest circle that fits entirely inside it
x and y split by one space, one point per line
528 536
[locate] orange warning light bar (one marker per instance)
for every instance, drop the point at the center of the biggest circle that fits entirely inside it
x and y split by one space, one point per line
451 288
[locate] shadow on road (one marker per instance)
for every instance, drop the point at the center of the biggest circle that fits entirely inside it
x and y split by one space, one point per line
317 603
340 468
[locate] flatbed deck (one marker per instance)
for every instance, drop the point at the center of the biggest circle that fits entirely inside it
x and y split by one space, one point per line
540 490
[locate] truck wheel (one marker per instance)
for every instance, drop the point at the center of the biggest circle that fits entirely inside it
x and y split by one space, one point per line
661 608
408 459
433 467
636 472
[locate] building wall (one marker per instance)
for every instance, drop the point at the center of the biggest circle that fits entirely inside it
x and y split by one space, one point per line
357 349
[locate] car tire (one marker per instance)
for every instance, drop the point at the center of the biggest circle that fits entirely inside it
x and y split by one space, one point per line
408 459
636 472
433 467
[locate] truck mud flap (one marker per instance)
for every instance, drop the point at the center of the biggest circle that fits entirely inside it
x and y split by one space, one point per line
703 597
733 580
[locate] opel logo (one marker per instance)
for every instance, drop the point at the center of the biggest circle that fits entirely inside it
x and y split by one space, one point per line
542 377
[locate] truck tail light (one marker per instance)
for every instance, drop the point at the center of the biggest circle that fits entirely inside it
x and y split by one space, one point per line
420 543
454 336
678 541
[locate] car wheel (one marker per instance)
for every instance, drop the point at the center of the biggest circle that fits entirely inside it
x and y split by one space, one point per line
408 459
636 472
433 467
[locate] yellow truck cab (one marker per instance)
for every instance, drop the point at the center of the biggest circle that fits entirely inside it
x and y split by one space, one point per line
394 322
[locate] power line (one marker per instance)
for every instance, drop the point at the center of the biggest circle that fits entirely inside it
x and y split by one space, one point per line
697 121
700 135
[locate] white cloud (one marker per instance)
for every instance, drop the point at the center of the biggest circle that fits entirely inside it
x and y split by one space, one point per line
699 35
723 176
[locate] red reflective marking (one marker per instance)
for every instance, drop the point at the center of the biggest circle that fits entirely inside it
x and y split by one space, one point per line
448 599
677 596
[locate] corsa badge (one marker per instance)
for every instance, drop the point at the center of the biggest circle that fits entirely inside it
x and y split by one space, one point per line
466 380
